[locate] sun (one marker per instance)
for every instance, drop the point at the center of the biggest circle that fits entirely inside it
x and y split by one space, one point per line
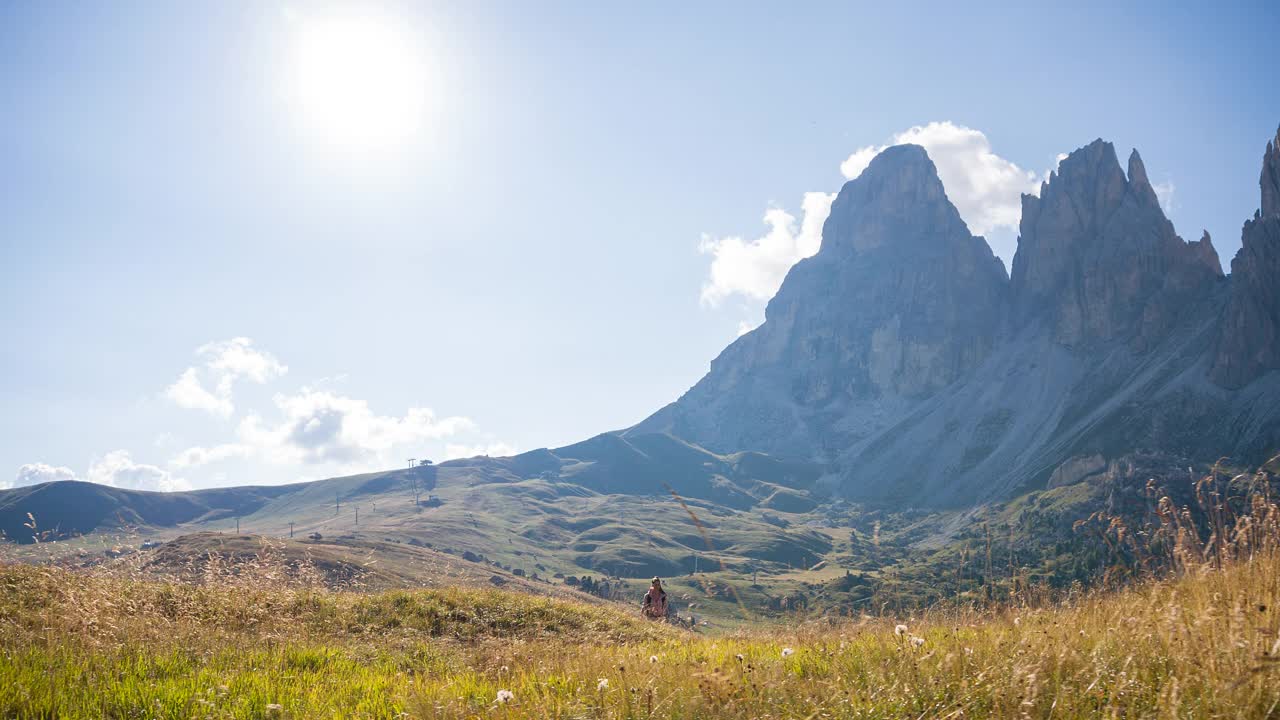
358 82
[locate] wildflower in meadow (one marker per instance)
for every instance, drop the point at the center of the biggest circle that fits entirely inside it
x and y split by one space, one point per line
900 630
505 696
602 685
917 641
274 707
653 659
787 652
740 657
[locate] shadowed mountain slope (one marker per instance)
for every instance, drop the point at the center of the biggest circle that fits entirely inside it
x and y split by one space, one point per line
902 359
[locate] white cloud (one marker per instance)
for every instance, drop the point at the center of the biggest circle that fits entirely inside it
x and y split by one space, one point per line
986 188
755 268
188 392
745 327
1164 193
236 358
320 427
117 469
36 473
315 426
225 362
197 456
496 449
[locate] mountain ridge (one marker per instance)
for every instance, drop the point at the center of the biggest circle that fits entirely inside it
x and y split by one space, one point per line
1111 334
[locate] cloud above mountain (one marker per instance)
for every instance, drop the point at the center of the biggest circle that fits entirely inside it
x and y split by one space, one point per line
118 469
314 426
223 364
318 426
36 473
985 187
755 268
115 469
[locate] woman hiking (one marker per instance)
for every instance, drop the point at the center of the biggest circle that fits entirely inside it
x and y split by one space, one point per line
654 605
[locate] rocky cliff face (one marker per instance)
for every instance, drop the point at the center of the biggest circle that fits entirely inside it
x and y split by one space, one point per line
901 357
900 301
1098 261
1249 345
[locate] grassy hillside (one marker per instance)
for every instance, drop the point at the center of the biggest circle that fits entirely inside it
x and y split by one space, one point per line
226 626
74 508
485 518
93 644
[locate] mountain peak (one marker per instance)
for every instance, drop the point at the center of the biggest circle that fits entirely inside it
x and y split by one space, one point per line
1249 343
1137 171
1270 178
1139 185
897 200
1098 260
899 302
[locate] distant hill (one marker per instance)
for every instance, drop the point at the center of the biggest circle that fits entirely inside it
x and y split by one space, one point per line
64 509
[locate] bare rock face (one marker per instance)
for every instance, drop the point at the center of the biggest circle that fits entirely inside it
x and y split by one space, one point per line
1098 260
1077 469
1270 180
901 360
900 301
1249 344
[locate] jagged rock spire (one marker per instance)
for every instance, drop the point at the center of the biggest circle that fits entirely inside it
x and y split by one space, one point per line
1138 182
1098 260
1270 178
1249 344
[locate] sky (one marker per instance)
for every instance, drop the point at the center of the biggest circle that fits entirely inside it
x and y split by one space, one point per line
260 242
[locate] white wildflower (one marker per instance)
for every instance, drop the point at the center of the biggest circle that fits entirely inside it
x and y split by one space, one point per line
740 657
653 659
787 652
602 685
917 641
900 630
274 707
505 696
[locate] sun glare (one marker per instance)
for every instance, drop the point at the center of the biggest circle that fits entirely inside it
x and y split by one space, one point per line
359 83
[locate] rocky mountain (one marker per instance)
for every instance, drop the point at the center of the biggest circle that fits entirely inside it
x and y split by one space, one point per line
1249 346
902 358
900 302
1098 261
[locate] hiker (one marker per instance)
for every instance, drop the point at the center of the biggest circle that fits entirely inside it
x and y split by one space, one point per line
654 604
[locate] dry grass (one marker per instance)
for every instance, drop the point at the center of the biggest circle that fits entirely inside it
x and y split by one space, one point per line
1201 642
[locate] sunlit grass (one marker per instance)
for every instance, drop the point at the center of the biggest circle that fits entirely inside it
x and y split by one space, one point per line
77 645
1199 639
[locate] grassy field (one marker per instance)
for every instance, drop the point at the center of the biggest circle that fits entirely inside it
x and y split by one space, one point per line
1188 625
81 644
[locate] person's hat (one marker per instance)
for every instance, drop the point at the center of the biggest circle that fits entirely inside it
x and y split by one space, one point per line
656 580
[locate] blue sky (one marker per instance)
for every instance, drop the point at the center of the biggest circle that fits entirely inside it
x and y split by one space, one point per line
204 280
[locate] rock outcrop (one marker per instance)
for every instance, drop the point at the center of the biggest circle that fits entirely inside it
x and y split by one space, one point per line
1098 260
1249 345
900 301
